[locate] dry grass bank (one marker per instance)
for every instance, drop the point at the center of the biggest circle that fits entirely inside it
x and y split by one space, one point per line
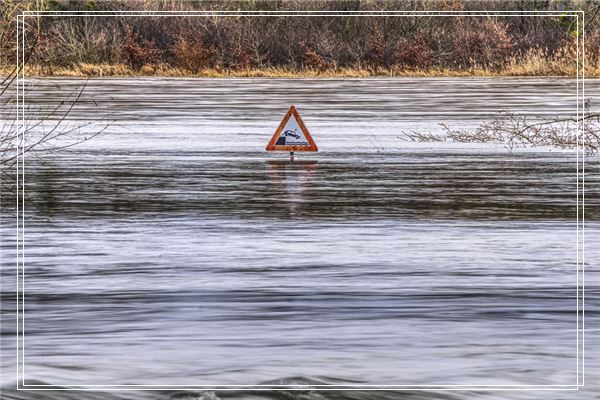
529 67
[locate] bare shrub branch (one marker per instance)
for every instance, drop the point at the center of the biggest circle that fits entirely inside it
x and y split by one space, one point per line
519 131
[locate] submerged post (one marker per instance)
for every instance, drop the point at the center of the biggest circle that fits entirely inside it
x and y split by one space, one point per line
291 156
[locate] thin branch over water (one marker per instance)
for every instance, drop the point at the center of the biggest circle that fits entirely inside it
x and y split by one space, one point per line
519 131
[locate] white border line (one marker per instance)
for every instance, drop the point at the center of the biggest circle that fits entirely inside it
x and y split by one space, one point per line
18 241
290 386
583 209
244 14
22 141
308 12
577 203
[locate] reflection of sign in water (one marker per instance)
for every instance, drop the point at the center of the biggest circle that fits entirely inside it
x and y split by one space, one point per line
289 182
292 135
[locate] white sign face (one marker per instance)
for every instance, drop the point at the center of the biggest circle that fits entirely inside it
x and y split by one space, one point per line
292 134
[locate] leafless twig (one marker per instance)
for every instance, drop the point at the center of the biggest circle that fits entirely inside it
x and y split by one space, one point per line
519 131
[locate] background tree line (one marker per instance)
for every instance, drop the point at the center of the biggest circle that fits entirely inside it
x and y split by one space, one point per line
522 44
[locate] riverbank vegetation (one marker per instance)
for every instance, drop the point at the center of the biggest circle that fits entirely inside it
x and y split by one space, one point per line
516 131
288 45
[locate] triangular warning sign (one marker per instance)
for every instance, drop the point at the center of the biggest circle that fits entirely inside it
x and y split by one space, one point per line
292 135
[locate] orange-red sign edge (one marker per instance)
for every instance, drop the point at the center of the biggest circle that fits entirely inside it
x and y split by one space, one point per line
312 146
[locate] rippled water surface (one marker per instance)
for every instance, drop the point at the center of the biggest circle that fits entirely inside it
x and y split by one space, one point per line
172 250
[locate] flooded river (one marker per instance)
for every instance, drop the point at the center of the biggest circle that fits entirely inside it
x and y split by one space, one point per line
172 250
